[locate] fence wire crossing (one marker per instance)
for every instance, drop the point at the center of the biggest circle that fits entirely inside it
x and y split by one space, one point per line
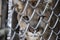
46 24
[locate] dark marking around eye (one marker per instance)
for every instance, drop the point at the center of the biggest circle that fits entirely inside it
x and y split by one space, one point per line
26 17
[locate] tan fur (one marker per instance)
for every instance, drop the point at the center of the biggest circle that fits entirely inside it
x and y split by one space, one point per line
28 12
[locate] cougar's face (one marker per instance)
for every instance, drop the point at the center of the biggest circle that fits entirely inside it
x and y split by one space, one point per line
33 22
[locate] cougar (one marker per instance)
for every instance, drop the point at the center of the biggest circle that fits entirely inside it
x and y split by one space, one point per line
19 6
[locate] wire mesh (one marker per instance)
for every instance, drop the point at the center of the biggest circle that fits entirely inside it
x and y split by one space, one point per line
36 18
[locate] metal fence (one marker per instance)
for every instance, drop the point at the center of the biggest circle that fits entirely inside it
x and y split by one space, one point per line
43 17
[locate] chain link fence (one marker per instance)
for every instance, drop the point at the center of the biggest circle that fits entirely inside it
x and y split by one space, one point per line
37 19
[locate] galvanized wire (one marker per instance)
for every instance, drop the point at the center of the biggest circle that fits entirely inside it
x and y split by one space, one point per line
22 35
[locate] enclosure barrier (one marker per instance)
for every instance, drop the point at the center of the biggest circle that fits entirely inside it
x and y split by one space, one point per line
47 21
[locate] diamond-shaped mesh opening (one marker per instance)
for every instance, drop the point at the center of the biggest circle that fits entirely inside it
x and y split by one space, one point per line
35 20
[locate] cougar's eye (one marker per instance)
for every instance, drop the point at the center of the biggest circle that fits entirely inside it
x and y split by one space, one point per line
26 17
